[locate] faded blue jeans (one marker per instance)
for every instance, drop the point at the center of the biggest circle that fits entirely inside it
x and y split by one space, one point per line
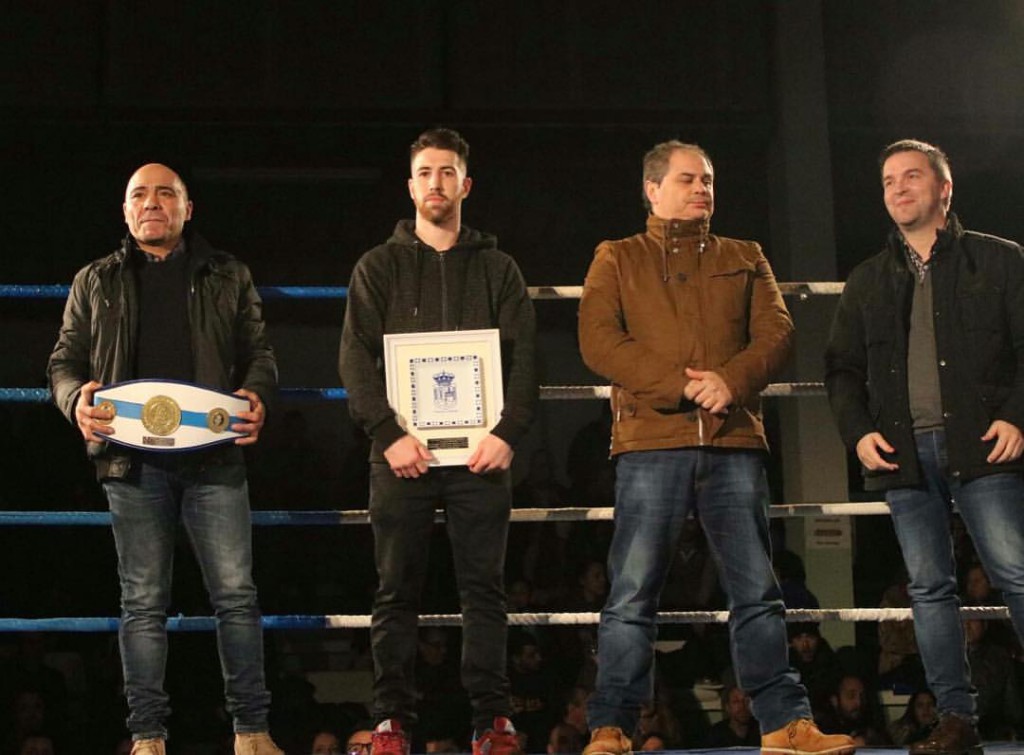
212 502
655 491
992 508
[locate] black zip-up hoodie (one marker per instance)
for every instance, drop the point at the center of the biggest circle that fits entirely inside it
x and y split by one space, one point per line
406 286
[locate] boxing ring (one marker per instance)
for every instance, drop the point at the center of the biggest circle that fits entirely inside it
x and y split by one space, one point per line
328 518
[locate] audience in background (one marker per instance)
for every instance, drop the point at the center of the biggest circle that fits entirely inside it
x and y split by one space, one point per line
738 728
852 710
917 720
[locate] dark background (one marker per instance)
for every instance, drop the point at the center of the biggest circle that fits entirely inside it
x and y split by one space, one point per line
290 122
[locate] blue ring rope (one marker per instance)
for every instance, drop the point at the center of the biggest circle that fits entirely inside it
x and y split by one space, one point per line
60 291
102 518
42 395
174 624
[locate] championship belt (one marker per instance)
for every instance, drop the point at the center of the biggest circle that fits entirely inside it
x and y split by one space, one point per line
168 415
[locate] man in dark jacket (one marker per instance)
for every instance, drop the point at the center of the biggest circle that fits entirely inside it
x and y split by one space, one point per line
434 274
168 306
925 373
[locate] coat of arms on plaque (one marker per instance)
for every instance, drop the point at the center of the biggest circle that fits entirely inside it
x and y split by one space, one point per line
446 391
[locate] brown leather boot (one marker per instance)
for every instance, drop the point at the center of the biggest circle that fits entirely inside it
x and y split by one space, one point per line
952 735
149 747
256 744
608 740
802 737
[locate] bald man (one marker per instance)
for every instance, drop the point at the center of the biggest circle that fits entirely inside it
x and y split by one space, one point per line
168 306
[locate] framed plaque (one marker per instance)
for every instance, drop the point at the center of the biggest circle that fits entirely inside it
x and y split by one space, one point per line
446 388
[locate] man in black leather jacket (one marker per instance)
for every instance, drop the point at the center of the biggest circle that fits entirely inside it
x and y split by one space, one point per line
168 306
925 374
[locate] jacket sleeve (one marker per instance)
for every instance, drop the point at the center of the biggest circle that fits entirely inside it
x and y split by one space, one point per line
361 354
257 365
607 346
69 365
517 323
846 368
1012 410
771 335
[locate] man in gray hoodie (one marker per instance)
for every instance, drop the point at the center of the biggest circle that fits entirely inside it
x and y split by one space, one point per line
435 274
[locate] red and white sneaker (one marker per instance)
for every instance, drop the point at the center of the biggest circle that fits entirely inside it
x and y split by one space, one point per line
500 739
389 739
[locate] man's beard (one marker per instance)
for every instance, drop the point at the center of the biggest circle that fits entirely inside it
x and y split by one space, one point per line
437 213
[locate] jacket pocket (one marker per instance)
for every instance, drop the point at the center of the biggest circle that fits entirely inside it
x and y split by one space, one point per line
729 291
623 403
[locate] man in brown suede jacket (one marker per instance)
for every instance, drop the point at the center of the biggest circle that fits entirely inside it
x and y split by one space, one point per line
689 328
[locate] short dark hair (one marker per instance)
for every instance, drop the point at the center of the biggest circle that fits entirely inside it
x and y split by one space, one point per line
936 157
656 163
441 138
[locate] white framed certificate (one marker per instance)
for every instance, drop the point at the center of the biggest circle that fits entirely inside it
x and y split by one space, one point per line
446 388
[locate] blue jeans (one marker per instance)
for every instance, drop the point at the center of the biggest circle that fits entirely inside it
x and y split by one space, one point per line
402 518
213 504
655 491
992 508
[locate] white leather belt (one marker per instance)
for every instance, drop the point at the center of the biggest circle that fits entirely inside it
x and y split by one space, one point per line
168 415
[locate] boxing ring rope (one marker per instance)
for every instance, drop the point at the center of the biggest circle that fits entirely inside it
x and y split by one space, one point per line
802 290
288 622
321 517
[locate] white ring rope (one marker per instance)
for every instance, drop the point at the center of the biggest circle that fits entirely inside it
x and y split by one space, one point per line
794 615
803 289
773 390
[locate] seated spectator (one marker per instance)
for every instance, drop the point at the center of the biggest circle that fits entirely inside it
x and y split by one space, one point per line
899 663
813 657
327 742
1000 710
564 739
590 589
442 698
977 588
916 721
27 716
978 591
651 742
529 687
692 582
574 710
657 718
442 743
37 744
850 712
540 488
519 596
789 568
359 741
738 728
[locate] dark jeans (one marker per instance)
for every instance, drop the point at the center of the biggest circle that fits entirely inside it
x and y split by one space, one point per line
992 508
402 516
655 491
213 504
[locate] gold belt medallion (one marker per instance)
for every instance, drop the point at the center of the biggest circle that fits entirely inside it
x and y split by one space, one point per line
109 407
161 415
217 420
